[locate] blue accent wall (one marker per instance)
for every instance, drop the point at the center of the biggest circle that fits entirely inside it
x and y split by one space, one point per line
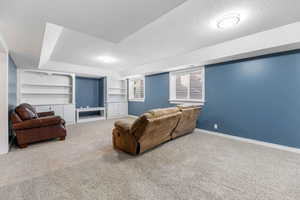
156 95
256 98
89 92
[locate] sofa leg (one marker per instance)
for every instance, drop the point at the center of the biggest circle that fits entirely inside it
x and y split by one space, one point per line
22 146
62 138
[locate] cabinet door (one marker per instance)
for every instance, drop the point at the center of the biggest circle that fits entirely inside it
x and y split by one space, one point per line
69 113
59 110
112 110
44 108
109 110
124 109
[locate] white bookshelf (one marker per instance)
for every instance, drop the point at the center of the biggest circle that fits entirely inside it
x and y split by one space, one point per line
116 99
44 87
48 91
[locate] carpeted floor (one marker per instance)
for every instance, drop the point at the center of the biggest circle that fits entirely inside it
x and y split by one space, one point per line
198 166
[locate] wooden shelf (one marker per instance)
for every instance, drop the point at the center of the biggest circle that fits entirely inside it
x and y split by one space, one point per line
45 85
117 94
117 88
44 93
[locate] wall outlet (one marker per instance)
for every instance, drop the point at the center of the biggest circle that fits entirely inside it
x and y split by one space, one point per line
215 126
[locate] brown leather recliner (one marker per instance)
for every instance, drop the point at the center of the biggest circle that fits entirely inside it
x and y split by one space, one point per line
30 126
153 128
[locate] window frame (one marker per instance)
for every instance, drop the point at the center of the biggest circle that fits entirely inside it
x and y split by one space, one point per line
172 86
129 89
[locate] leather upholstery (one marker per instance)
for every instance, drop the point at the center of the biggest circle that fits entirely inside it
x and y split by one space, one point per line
15 118
46 114
25 113
37 123
153 128
30 126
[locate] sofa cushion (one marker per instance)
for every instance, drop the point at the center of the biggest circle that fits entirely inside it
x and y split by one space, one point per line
162 111
25 113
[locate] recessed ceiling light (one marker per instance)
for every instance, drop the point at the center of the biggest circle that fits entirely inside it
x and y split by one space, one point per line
107 59
228 21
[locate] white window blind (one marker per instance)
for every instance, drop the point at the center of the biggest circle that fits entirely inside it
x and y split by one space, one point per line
136 89
187 85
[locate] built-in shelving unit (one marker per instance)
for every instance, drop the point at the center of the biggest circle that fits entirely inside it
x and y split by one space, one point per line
48 91
44 88
116 100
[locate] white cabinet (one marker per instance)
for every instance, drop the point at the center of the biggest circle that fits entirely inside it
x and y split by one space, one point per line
59 110
116 100
44 108
115 110
67 112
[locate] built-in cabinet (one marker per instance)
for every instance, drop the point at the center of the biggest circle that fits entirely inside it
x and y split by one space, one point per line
67 111
48 91
54 91
116 98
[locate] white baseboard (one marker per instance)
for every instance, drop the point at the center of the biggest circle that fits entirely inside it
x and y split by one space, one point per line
267 144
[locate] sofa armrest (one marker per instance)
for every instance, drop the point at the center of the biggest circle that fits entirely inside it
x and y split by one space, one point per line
123 125
46 114
37 123
125 141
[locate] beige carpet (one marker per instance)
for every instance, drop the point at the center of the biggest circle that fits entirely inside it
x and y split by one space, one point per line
196 166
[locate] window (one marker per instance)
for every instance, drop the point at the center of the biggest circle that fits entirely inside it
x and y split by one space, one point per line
136 89
187 86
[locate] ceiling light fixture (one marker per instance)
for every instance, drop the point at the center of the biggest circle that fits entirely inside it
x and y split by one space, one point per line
107 59
228 21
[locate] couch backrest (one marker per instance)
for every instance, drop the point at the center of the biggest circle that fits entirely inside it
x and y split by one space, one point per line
26 112
155 127
188 120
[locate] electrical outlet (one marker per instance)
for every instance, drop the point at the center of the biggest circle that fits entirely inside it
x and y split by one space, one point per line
215 126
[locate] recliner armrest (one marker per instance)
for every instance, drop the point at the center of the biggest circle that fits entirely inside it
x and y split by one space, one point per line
46 114
37 123
123 125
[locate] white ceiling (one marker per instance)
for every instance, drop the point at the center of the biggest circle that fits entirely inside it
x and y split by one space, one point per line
136 32
23 22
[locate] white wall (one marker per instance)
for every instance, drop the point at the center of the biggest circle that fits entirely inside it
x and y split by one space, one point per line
3 103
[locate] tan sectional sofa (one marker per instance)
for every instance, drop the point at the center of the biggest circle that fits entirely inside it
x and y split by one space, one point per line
153 128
